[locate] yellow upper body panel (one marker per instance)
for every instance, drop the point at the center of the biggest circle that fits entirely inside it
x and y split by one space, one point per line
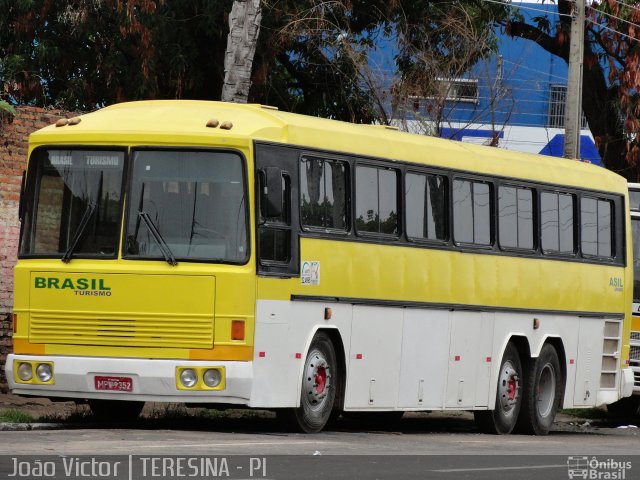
180 122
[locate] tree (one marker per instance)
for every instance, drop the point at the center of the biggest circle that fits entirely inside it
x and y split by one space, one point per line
611 80
323 53
82 54
422 95
244 28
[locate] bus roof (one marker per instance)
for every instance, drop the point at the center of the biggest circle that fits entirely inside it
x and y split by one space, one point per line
183 122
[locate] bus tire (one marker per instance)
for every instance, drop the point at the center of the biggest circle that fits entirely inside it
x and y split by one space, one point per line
502 419
115 411
319 385
542 393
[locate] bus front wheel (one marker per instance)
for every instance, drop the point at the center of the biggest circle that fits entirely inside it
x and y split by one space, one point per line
542 392
319 384
502 419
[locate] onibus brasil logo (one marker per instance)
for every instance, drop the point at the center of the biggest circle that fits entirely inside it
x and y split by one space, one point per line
597 468
80 286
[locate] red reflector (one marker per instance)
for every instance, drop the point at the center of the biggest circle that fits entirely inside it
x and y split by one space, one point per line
571 361
15 322
358 356
328 313
237 330
262 354
488 359
627 362
298 355
457 358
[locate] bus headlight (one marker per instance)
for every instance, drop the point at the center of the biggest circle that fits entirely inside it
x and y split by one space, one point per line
212 377
25 372
188 377
44 372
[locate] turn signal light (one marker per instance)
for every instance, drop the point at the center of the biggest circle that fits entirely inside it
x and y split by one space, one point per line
237 330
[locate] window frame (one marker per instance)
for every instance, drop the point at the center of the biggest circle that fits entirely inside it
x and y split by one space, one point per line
129 184
29 177
536 240
446 210
559 253
491 183
348 189
399 201
612 228
285 225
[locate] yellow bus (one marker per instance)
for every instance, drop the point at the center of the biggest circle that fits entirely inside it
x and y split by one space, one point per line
221 254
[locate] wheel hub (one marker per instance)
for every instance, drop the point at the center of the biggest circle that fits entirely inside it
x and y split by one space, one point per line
317 379
321 380
508 386
512 385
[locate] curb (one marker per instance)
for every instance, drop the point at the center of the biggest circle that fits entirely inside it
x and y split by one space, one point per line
24 427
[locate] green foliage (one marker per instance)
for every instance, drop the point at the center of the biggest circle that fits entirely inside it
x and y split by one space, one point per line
87 53
15 416
7 107
312 56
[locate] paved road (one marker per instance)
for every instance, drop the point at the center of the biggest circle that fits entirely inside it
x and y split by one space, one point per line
454 448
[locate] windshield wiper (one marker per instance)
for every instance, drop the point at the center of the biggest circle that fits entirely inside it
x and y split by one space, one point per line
88 213
155 233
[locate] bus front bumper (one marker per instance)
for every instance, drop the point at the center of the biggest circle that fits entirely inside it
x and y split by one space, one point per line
628 386
131 379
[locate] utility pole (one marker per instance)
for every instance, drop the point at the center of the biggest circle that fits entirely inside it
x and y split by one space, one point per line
573 104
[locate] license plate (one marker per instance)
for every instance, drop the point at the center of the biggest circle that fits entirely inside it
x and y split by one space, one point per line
117 384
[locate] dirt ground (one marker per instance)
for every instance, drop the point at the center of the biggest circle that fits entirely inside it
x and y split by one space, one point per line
42 409
39 407
45 409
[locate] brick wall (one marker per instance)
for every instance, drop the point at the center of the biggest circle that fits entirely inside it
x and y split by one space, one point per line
14 134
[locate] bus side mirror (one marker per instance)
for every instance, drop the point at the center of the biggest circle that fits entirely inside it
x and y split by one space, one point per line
271 192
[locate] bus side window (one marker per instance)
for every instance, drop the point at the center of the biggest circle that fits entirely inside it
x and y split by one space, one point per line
275 229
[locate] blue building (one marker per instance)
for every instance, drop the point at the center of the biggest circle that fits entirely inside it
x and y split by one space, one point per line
515 99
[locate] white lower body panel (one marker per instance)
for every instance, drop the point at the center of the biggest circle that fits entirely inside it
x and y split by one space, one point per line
153 380
406 358
394 358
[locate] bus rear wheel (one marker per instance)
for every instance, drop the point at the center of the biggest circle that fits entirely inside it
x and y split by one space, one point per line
502 419
319 384
115 411
542 393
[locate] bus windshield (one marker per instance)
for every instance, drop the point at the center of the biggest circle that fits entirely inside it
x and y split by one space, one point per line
187 205
73 200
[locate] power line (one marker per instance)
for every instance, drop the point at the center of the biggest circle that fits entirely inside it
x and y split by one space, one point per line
633 7
613 30
613 16
535 70
510 4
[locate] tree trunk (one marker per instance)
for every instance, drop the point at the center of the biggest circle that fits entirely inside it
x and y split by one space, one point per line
244 28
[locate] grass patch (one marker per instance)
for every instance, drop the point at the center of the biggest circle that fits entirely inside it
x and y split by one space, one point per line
15 416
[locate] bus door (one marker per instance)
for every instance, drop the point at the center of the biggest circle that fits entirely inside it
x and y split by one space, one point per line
276 210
